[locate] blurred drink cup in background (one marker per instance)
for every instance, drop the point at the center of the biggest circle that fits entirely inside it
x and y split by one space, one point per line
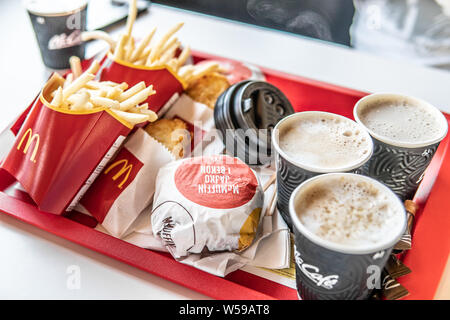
58 26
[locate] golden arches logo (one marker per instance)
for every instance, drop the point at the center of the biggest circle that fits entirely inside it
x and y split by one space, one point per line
30 138
125 168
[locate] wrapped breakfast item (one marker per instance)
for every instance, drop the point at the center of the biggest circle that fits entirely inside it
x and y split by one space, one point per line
126 185
73 129
209 203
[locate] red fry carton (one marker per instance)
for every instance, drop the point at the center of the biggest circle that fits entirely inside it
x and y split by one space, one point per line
58 153
167 84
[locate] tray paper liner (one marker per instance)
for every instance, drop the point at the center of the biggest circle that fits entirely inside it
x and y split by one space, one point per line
165 81
58 153
126 185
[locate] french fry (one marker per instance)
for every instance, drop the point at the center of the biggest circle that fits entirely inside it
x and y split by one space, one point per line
136 99
114 92
203 70
75 66
184 55
186 70
132 118
169 44
173 64
94 85
94 67
94 92
123 86
140 62
129 48
128 45
99 35
109 83
168 54
151 115
105 102
132 14
144 54
106 85
77 84
142 106
79 101
119 52
57 99
156 51
132 91
68 80
142 45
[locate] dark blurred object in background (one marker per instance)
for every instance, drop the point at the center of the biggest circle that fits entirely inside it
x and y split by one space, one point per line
320 19
58 28
414 30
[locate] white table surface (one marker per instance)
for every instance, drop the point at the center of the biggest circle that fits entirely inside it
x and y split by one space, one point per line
35 264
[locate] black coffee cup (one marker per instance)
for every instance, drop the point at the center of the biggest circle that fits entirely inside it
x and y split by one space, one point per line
58 26
400 165
291 173
328 270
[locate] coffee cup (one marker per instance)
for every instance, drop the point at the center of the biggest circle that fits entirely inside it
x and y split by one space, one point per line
311 143
406 132
58 26
345 226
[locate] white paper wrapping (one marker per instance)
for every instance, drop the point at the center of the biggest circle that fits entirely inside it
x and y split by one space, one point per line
138 194
211 203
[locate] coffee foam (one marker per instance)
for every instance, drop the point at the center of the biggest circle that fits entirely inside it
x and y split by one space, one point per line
349 211
324 141
401 120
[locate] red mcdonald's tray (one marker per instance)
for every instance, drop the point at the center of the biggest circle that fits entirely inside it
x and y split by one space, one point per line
430 237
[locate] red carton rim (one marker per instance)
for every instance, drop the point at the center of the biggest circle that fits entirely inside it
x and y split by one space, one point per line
133 66
44 101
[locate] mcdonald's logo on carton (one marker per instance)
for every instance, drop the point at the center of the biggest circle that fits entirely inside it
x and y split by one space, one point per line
124 171
109 185
28 137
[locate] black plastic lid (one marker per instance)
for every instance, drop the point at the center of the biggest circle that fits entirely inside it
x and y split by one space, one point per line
251 109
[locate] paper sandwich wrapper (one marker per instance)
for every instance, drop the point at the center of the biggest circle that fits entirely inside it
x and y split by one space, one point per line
58 153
